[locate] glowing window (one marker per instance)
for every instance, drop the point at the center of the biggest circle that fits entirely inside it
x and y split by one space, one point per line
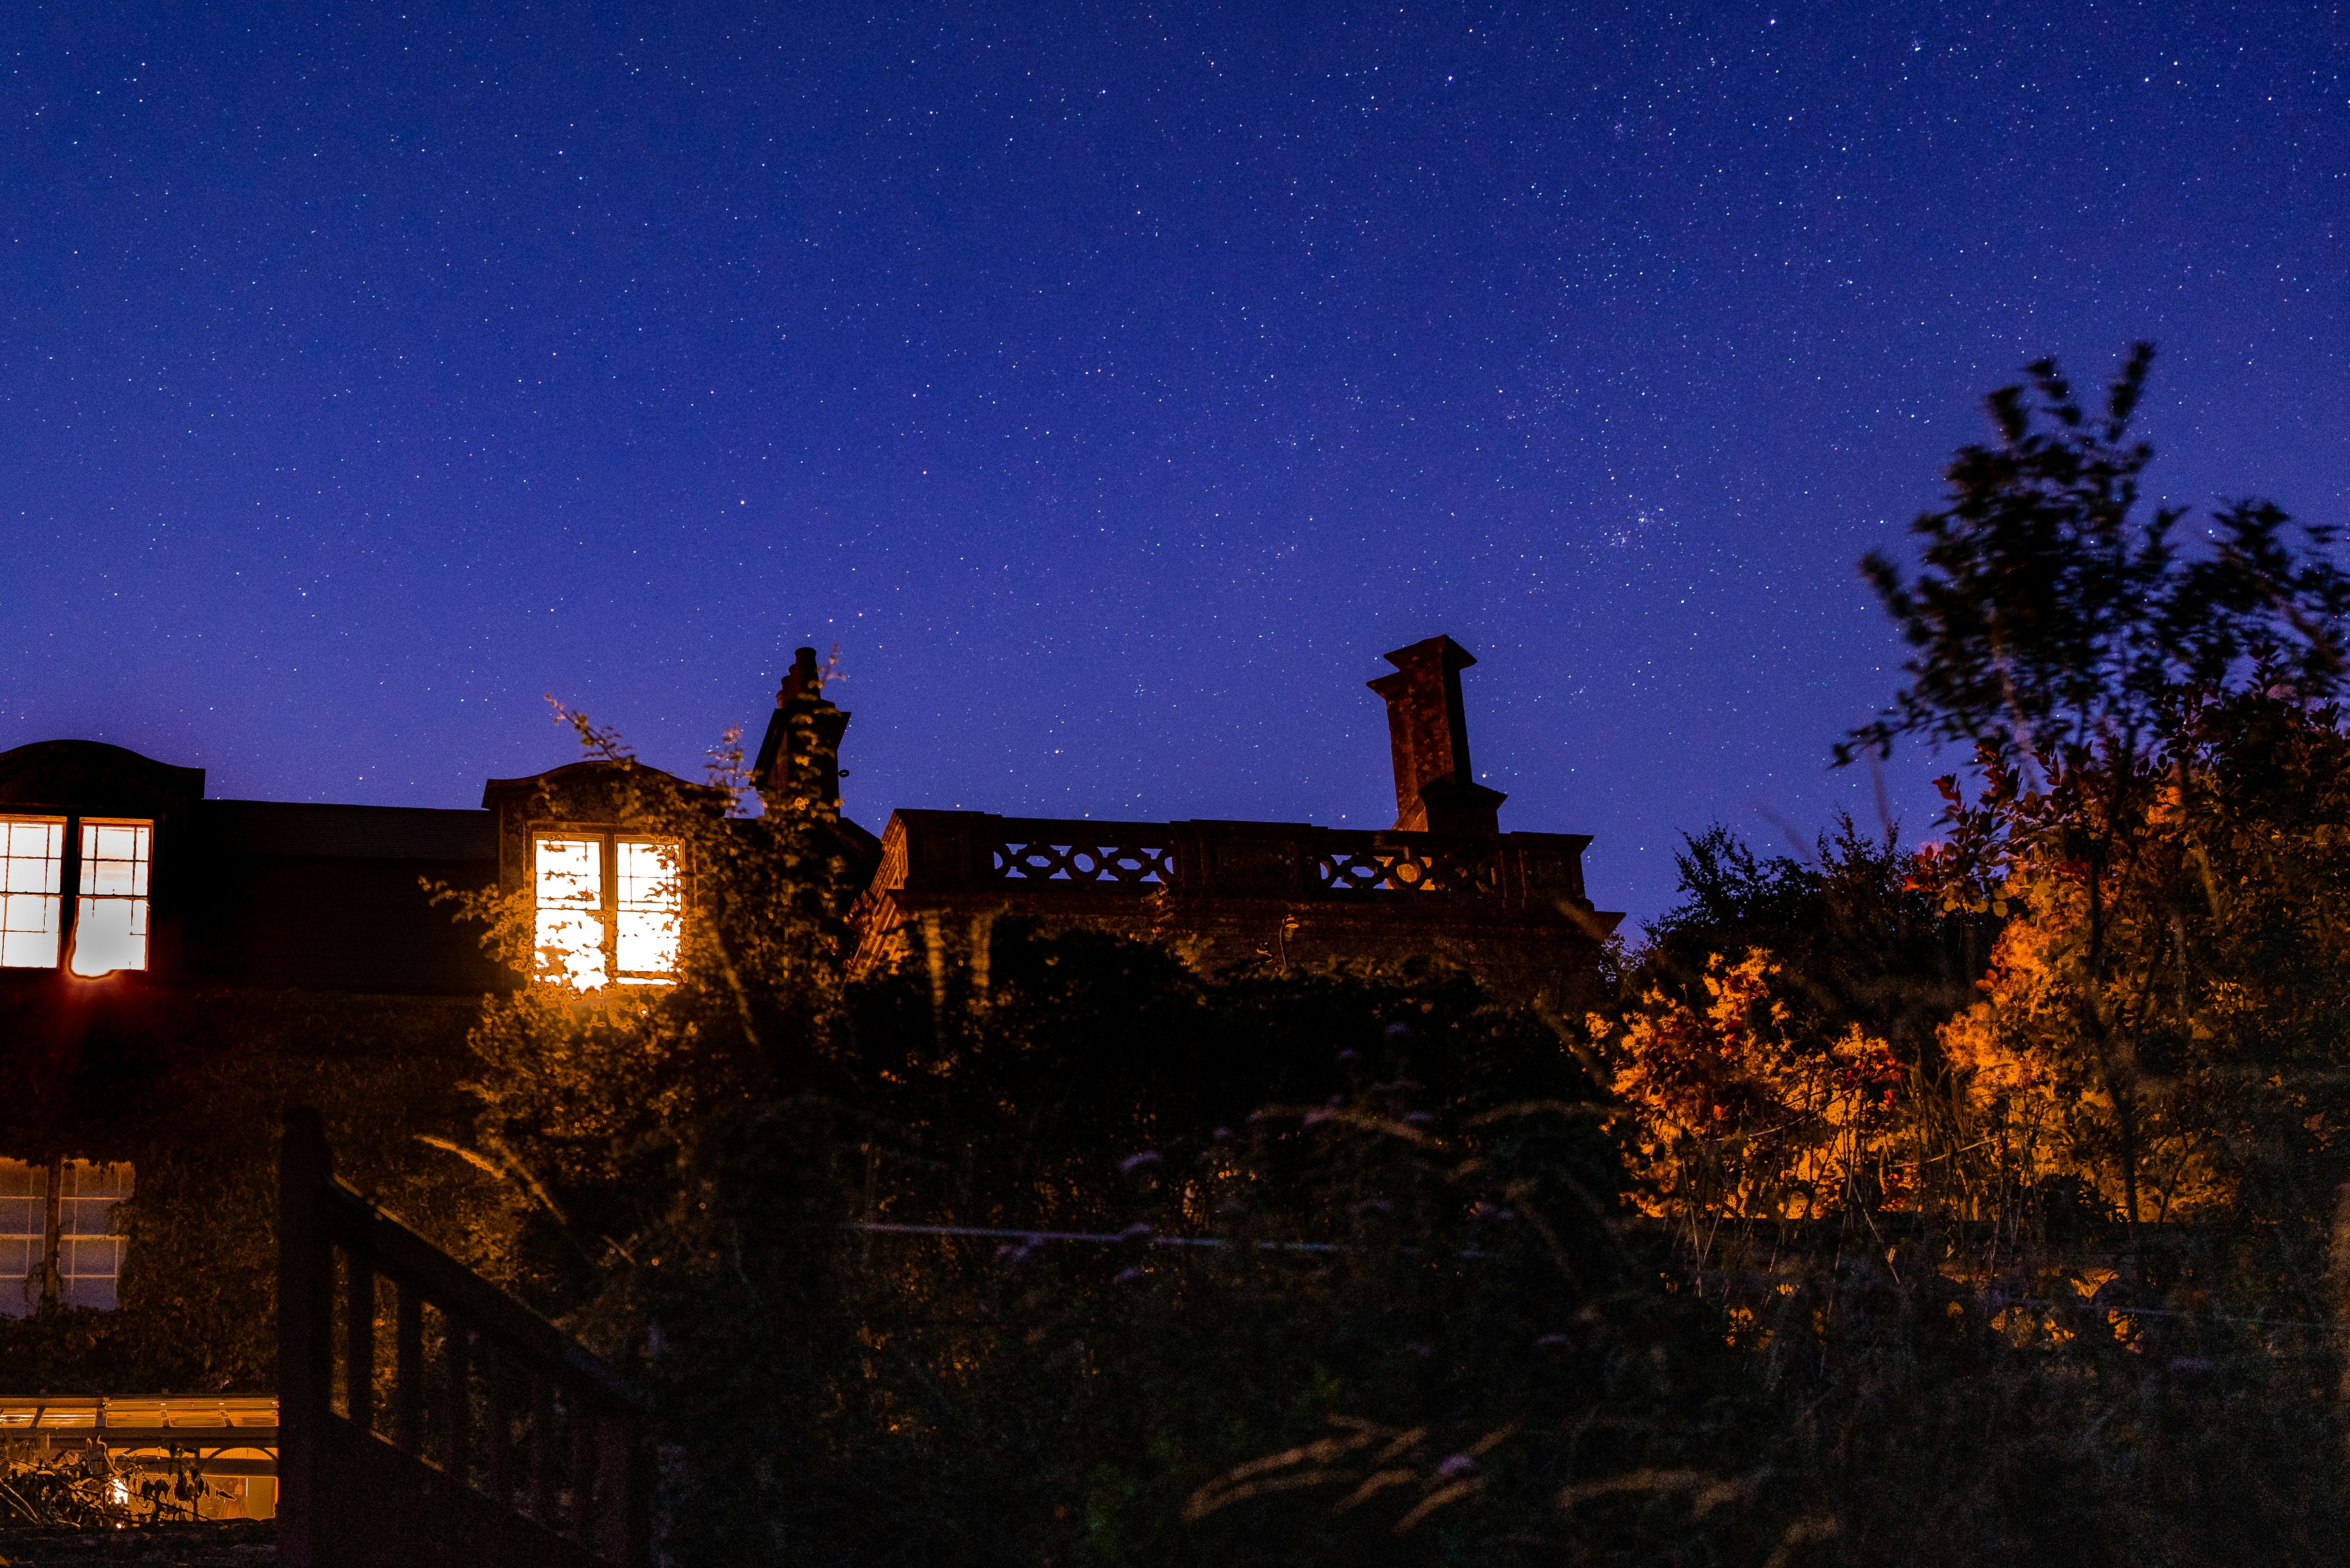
76 1261
32 884
568 884
110 915
606 910
646 908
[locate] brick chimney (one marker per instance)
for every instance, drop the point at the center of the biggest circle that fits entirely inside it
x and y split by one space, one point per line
1428 735
800 755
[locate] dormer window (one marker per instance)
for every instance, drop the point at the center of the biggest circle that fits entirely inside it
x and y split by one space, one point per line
605 909
107 927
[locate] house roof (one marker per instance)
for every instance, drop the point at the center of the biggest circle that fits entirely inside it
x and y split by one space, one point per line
351 832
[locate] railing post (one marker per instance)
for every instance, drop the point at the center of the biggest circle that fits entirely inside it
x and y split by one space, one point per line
305 1331
616 1484
583 1471
542 1449
358 1340
456 1401
643 1476
498 1418
407 1367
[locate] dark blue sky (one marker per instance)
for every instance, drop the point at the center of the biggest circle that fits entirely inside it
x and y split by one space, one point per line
1112 385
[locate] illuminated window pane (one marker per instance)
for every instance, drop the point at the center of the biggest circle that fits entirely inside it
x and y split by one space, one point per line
650 899
110 916
90 1260
24 1235
567 889
32 901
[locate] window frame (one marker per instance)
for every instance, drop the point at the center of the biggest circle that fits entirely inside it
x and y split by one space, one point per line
56 899
57 1251
71 895
606 911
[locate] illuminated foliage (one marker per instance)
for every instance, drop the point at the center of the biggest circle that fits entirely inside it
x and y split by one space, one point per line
2066 634
1738 1115
2221 964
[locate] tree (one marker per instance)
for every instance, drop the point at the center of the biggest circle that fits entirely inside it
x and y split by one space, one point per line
1859 942
2065 632
2224 969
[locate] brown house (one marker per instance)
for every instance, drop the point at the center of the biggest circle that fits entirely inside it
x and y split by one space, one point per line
151 938
116 865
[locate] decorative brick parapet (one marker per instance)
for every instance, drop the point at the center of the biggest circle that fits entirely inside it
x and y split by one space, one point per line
1510 907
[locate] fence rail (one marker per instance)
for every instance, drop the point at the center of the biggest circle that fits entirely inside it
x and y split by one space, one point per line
487 1437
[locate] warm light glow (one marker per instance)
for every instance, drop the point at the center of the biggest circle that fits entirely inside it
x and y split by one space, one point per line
648 910
111 916
568 890
591 932
598 929
32 883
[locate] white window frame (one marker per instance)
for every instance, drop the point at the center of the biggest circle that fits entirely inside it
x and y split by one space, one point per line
32 890
57 1244
78 890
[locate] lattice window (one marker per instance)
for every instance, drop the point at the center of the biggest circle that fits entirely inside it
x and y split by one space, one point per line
32 890
1086 862
567 884
1405 870
110 914
108 930
647 908
90 1259
608 908
24 1235
86 1256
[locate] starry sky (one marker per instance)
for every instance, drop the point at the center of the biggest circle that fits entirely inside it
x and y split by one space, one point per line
1111 384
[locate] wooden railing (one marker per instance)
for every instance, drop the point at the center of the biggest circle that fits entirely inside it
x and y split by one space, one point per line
487 1437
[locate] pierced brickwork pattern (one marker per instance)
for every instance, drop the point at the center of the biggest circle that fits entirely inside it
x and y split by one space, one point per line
1085 862
1405 870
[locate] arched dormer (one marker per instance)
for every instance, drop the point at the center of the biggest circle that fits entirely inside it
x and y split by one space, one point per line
607 882
87 875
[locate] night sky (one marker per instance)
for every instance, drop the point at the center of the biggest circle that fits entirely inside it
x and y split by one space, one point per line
1112 385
